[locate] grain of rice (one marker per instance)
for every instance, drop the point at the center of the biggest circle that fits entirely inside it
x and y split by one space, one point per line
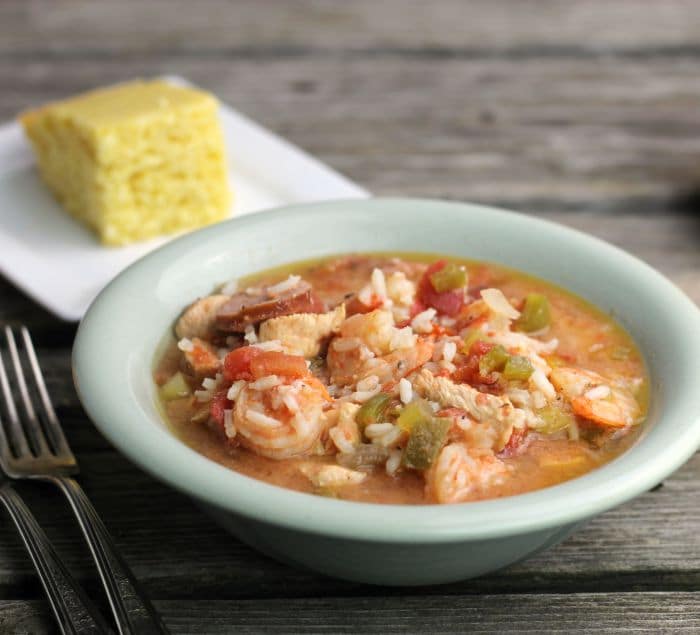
389 438
208 383
291 282
594 348
185 345
405 390
229 428
379 283
393 463
235 389
271 345
449 350
343 344
250 335
290 401
539 379
261 419
365 295
360 396
376 430
597 392
265 383
422 323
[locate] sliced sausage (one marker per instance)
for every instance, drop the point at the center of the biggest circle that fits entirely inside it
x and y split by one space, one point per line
244 308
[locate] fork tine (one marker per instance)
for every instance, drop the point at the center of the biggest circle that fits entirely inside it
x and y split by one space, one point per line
33 427
53 427
16 434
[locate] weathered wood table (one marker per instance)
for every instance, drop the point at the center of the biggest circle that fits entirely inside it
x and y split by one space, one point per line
587 113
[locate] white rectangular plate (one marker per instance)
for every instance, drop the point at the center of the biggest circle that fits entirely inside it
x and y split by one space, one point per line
61 264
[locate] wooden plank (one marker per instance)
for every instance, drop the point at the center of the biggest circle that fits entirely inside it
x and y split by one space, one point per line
276 27
555 135
526 613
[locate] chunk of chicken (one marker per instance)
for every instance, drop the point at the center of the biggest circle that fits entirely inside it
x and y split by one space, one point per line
331 475
596 398
202 361
303 333
199 319
484 408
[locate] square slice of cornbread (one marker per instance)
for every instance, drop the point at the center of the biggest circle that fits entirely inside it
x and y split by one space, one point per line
134 160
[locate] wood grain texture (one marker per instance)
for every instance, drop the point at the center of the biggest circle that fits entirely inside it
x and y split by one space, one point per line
584 113
532 134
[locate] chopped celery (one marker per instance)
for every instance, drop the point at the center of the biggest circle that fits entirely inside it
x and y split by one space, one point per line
451 276
517 368
414 414
175 388
495 359
554 419
535 314
427 438
373 411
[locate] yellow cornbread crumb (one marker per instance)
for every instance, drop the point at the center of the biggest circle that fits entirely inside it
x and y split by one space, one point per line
134 160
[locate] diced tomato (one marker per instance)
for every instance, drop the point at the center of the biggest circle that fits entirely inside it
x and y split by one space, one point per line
515 443
237 363
416 308
448 302
219 403
276 363
480 348
469 372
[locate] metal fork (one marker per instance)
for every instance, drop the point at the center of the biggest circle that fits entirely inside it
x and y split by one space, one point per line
75 613
41 452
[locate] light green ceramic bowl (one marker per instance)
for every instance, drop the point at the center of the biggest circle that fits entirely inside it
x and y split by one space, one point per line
386 544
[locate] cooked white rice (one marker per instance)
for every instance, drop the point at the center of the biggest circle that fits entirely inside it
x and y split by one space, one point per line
235 390
405 390
422 323
291 282
185 345
265 383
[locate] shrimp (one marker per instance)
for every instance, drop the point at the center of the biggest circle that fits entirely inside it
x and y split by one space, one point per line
348 366
595 398
282 420
370 344
459 471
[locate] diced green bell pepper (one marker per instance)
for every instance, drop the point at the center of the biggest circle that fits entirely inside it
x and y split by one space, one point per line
495 359
373 410
414 414
452 276
175 388
518 368
427 438
535 314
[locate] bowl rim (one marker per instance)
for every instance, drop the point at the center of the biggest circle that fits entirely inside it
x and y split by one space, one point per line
160 453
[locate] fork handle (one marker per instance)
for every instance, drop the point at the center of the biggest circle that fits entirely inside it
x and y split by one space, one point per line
133 612
74 611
